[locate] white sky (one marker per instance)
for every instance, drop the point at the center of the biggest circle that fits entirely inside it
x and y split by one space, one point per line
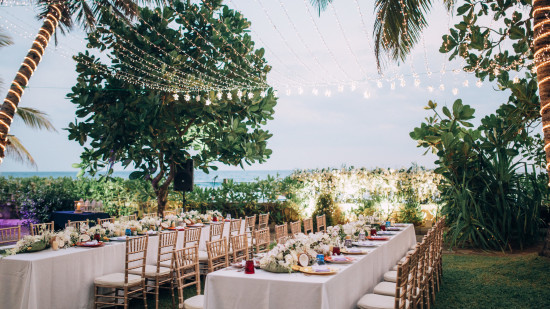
309 131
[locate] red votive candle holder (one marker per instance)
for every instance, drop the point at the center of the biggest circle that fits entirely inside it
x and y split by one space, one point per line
336 250
97 237
373 232
249 267
383 227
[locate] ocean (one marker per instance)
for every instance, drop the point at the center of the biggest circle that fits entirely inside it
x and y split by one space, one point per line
201 179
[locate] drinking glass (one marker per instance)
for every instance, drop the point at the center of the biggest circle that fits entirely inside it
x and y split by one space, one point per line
249 267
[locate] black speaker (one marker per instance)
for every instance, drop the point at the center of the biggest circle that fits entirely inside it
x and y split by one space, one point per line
183 180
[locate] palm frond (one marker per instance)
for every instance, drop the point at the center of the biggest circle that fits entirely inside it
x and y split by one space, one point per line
35 119
320 5
5 39
394 35
16 151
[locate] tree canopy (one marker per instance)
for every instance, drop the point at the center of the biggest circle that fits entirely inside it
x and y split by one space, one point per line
155 129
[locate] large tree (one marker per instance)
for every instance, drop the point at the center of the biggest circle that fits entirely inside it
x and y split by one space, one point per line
144 125
60 14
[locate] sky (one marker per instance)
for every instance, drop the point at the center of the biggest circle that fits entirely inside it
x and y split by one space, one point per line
308 54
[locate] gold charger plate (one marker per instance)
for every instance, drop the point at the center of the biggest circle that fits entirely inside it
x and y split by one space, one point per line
354 253
309 270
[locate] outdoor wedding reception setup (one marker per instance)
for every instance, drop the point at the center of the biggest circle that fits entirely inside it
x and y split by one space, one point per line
267 154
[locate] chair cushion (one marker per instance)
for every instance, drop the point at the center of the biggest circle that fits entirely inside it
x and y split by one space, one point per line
117 280
390 276
403 259
385 288
195 302
151 270
375 301
203 256
167 264
394 267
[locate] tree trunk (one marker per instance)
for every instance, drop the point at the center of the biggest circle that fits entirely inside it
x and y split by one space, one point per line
21 80
162 199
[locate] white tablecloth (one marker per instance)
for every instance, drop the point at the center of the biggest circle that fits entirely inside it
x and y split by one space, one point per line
65 278
234 289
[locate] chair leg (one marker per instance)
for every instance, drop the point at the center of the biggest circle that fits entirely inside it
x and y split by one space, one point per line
126 300
157 292
96 297
144 293
172 290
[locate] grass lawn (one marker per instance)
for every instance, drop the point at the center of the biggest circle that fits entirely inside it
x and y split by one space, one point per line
471 281
502 281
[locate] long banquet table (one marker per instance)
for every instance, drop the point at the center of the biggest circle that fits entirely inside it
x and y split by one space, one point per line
234 289
65 278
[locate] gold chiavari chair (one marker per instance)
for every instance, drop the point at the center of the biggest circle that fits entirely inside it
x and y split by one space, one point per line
187 274
281 233
308 226
217 254
239 244
101 221
430 265
132 217
322 223
131 285
262 239
250 225
124 218
192 236
295 228
37 229
235 227
422 298
78 224
263 221
151 215
156 276
403 292
216 230
10 234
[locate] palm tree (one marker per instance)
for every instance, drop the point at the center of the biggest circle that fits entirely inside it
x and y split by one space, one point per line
64 15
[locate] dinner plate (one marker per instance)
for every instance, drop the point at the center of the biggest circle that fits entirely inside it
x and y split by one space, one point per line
309 270
84 244
347 261
387 233
196 225
118 238
393 228
344 251
378 238
367 244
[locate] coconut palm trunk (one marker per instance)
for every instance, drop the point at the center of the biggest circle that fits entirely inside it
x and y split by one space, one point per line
21 80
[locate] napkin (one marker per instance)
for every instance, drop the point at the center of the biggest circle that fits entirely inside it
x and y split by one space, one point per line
338 258
91 243
354 250
320 269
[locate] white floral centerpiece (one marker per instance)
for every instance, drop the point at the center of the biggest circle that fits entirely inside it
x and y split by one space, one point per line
191 217
113 229
150 223
356 227
210 215
171 221
29 243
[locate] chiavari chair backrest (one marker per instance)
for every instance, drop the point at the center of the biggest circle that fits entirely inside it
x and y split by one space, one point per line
263 221
10 234
295 227
169 213
262 240
101 221
37 229
151 215
78 224
132 217
167 245
216 230
124 218
239 244
402 287
186 261
217 254
235 227
322 223
192 236
308 226
281 232
136 255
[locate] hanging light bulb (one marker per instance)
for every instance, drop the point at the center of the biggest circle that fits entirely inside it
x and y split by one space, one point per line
379 83
366 94
198 98
239 94
276 93
429 73
402 83
250 95
466 83
340 88
479 83
300 90
430 89
516 80
288 91
187 97
315 91
219 95
176 96
392 86
353 86
441 87
327 93
455 91
229 96
263 94
208 102
417 82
